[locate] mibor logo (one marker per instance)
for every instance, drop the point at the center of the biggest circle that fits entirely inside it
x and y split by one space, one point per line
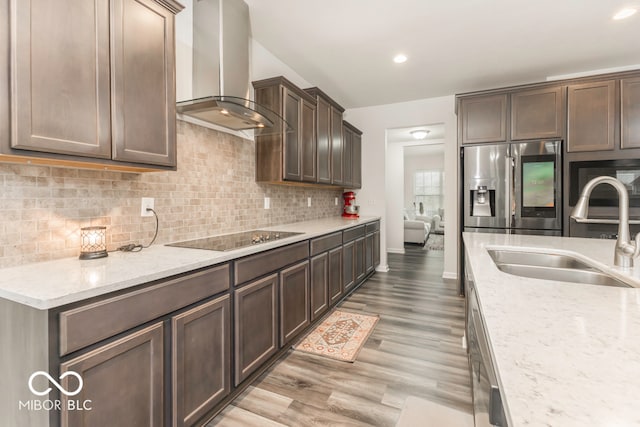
55 383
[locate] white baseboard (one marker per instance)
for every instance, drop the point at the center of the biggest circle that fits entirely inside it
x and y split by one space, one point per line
382 268
448 275
395 251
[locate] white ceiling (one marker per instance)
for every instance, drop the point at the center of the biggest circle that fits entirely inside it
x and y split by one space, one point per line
345 47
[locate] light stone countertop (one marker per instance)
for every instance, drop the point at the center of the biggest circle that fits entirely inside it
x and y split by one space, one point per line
52 284
566 354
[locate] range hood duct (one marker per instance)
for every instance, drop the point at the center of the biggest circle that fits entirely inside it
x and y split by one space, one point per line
220 82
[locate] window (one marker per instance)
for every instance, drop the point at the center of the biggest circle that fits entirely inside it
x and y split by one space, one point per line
428 188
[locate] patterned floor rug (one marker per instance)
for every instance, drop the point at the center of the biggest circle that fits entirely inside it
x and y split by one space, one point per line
435 242
340 336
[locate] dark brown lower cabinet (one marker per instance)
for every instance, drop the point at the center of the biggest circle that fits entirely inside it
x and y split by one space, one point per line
348 266
335 275
360 259
368 253
294 301
201 369
376 249
124 381
256 325
319 285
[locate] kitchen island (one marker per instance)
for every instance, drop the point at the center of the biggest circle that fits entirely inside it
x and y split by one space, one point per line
566 354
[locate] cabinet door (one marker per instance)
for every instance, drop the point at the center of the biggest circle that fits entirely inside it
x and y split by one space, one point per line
256 325
348 266
319 285
376 249
335 275
337 156
368 253
143 82
630 114
292 166
356 149
591 116
359 263
201 352
347 159
537 113
308 135
323 142
60 77
483 119
294 301
123 380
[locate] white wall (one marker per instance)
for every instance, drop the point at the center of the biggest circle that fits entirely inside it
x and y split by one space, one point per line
373 122
394 188
184 52
265 65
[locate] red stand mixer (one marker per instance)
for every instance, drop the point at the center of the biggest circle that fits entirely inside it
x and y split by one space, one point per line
350 210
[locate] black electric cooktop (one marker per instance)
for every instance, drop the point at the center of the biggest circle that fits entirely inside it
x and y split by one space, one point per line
230 242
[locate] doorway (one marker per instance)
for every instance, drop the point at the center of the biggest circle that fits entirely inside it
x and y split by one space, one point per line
415 185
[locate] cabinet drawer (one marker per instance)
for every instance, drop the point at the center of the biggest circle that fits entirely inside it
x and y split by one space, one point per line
91 323
324 243
372 227
353 233
254 266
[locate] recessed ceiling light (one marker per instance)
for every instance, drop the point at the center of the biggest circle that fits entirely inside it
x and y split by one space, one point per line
420 133
625 13
399 59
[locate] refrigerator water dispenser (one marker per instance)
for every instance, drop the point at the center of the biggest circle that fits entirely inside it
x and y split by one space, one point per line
483 201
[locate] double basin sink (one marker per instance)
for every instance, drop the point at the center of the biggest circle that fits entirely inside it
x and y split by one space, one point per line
557 267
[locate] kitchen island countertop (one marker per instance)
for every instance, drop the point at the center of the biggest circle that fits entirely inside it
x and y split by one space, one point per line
51 284
566 354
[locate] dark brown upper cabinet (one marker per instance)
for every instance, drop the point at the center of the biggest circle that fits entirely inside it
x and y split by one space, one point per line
483 119
109 99
330 147
630 113
288 156
352 150
537 114
591 111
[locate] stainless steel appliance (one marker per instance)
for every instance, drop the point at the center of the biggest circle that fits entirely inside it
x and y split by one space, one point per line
487 401
603 203
513 188
220 69
228 242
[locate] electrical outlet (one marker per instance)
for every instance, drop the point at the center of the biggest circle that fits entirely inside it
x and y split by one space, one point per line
147 202
336 201
267 203
309 201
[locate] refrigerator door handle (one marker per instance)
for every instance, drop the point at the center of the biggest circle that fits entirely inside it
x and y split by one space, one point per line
509 208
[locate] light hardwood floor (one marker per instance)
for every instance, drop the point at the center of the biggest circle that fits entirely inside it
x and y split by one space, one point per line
415 351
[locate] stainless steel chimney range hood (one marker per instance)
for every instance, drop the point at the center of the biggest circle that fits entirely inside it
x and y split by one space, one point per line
220 82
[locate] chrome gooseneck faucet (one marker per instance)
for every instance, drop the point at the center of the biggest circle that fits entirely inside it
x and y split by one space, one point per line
625 249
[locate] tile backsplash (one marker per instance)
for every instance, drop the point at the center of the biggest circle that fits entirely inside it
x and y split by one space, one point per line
212 192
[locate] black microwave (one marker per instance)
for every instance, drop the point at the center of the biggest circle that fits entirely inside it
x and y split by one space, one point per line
626 171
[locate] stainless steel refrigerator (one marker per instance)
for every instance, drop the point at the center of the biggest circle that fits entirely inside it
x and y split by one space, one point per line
513 188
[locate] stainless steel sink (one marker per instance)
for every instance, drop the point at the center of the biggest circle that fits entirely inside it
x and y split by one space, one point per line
562 268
